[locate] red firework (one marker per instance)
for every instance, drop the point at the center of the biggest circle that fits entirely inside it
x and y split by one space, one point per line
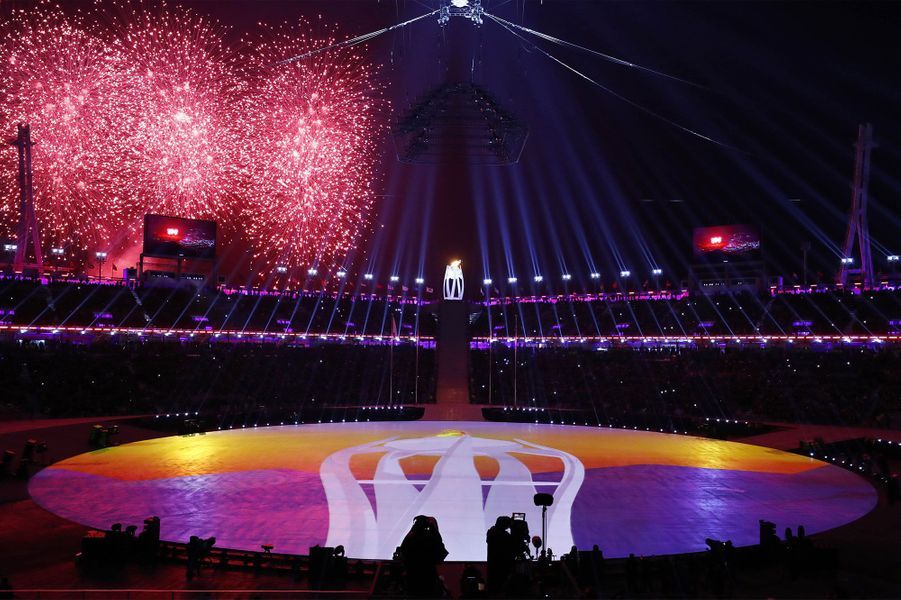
182 132
311 151
57 76
155 111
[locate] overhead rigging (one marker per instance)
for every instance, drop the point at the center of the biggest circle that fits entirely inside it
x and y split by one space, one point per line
475 12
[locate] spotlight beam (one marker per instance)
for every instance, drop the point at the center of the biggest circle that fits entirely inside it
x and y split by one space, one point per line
615 94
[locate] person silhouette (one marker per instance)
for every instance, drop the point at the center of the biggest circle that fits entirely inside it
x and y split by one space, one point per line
422 551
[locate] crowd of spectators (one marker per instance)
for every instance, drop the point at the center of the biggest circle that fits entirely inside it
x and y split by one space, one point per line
27 302
841 385
820 313
104 374
119 376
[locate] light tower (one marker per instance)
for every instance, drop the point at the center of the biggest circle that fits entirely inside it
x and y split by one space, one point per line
28 226
858 227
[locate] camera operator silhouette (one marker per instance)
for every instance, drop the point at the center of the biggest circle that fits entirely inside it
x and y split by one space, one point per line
422 551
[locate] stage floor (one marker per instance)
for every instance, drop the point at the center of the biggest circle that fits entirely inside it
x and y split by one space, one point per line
361 484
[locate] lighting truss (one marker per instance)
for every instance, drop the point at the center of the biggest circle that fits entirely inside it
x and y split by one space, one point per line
467 9
459 123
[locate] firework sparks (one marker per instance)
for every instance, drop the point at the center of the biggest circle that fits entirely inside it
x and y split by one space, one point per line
312 150
156 111
56 76
181 148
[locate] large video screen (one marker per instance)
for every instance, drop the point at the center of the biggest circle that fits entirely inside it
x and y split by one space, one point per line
174 237
731 240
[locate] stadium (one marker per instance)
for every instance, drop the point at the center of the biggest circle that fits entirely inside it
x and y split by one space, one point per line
449 298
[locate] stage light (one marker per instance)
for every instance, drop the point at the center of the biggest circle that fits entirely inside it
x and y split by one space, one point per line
538 279
595 275
487 281
511 280
656 271
281 269
394 278
892 258
625 273
420 281
566 276
460 3
57 251
10 247
368 276
312 272
847 260
100 255
341 274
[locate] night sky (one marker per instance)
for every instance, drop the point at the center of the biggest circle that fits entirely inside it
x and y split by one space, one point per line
602 185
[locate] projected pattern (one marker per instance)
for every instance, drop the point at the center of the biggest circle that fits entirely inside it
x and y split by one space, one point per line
360 485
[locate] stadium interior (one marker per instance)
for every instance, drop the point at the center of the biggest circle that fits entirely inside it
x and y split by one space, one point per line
504 299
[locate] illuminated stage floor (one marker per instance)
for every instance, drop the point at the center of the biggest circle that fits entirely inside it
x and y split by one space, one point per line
361 484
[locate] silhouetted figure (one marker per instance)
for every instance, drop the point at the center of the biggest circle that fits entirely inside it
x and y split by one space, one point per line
197 549
193 556
149 539
501 554
422 551
632 583
472 585
572 560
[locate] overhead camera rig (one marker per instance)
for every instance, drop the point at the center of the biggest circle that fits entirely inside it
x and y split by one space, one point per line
468 9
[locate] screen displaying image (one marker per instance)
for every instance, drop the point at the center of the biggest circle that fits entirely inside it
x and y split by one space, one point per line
726 239
175 237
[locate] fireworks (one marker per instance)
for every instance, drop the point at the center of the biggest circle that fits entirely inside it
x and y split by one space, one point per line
56 76
156 111
312 150
182 127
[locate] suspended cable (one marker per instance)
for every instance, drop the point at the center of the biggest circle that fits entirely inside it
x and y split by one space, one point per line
633 103
607 57
354 41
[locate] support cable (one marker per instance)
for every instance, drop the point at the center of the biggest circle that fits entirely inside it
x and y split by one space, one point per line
356 40
607 57
633 103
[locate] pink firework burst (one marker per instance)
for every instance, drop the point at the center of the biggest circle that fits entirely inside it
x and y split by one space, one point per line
311 151
138 110
60 78
181 147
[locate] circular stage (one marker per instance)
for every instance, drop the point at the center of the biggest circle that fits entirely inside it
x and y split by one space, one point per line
361 484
